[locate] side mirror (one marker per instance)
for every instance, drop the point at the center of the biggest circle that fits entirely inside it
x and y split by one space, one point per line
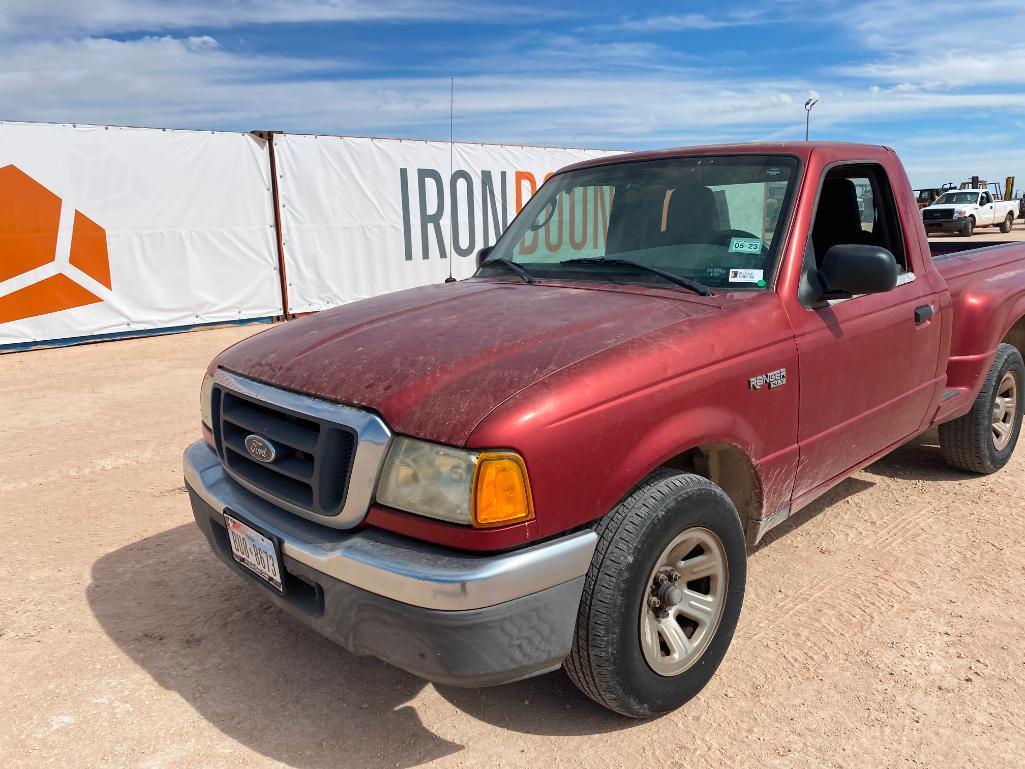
851 268
483 254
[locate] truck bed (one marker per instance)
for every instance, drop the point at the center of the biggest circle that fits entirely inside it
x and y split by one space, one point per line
940 250
974 275
959 262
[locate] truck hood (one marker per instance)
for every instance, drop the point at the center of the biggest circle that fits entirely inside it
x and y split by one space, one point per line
434 361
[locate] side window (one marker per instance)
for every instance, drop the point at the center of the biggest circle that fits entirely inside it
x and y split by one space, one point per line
986 199
856 205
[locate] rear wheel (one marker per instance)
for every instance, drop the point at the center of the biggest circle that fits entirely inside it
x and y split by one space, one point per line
662 596
983 440
1007 223
968 227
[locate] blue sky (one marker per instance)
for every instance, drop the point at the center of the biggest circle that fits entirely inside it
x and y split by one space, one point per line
950 98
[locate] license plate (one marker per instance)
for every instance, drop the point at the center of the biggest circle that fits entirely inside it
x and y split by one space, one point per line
256 552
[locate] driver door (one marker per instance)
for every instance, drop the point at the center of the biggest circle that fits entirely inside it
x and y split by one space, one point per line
986 209
868 364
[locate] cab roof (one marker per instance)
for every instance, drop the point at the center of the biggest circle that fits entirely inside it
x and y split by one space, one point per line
801 150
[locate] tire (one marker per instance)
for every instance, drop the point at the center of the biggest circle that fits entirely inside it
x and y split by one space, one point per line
607 661
1008 223
970 442
968 227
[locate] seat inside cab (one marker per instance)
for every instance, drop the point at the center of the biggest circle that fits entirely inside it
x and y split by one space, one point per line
856 206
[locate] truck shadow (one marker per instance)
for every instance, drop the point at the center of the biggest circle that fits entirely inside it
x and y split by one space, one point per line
920 459
277 687
846 488
280 689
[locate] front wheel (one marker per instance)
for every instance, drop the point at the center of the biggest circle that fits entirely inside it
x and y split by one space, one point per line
662 596
968 227
1007 224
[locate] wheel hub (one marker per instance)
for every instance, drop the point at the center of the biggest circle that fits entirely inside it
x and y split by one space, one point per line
684 601
665 592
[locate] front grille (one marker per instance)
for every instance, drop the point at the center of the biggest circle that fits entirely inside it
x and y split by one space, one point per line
313 456
938 214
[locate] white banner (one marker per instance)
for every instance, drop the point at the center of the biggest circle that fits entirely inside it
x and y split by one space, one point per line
362 217
106 230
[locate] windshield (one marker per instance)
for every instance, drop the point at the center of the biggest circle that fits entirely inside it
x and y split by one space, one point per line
716 220
960 198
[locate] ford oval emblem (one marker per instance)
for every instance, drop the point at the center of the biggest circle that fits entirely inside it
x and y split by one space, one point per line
260 449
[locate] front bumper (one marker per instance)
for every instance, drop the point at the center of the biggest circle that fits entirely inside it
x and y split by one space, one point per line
947 225
450 617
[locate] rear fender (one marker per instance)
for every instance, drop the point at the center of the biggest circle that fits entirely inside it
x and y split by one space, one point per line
985 312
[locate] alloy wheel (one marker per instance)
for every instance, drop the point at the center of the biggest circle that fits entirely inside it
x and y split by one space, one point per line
684 601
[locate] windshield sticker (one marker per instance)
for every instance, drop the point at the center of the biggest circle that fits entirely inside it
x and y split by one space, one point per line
746 276
745 246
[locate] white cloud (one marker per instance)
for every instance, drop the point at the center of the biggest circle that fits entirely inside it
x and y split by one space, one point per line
980 26
984 46
962 69
619 91
756 12
673 22
48 17
193 82
935 165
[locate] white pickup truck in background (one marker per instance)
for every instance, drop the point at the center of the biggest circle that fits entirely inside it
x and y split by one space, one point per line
963 210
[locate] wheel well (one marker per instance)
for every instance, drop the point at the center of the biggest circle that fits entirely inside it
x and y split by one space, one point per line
730 469
1016 336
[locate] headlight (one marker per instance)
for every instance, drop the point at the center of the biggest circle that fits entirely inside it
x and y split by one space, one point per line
481 489
206 406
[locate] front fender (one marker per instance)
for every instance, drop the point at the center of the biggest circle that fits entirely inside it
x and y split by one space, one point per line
771 477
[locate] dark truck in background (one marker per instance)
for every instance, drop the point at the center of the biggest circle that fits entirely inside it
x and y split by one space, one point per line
563 460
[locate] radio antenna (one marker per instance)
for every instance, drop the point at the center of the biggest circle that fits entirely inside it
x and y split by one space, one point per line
452 187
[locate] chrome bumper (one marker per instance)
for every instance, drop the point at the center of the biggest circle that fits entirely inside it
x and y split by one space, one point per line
399 568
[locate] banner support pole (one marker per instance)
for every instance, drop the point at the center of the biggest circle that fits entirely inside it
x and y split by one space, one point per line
268 136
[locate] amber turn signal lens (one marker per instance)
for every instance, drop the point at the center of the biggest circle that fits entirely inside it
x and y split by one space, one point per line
501 491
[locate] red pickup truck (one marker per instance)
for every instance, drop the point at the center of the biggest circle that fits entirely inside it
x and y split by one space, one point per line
563 460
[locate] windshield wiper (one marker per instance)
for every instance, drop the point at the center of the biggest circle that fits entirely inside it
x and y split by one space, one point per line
693 285
510 264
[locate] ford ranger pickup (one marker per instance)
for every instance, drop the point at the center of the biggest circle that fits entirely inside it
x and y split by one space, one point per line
564 460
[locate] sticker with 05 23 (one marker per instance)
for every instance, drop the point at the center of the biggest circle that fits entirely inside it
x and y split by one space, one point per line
745 246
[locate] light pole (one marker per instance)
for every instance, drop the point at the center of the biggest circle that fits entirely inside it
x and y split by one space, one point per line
807 118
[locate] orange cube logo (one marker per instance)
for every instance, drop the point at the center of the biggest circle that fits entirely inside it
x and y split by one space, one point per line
55 274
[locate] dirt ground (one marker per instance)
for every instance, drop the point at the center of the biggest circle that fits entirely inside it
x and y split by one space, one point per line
985 234
883 627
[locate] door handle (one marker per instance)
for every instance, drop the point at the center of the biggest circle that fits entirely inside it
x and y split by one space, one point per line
922 314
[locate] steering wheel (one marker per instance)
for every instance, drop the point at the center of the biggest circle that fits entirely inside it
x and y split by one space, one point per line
550 209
